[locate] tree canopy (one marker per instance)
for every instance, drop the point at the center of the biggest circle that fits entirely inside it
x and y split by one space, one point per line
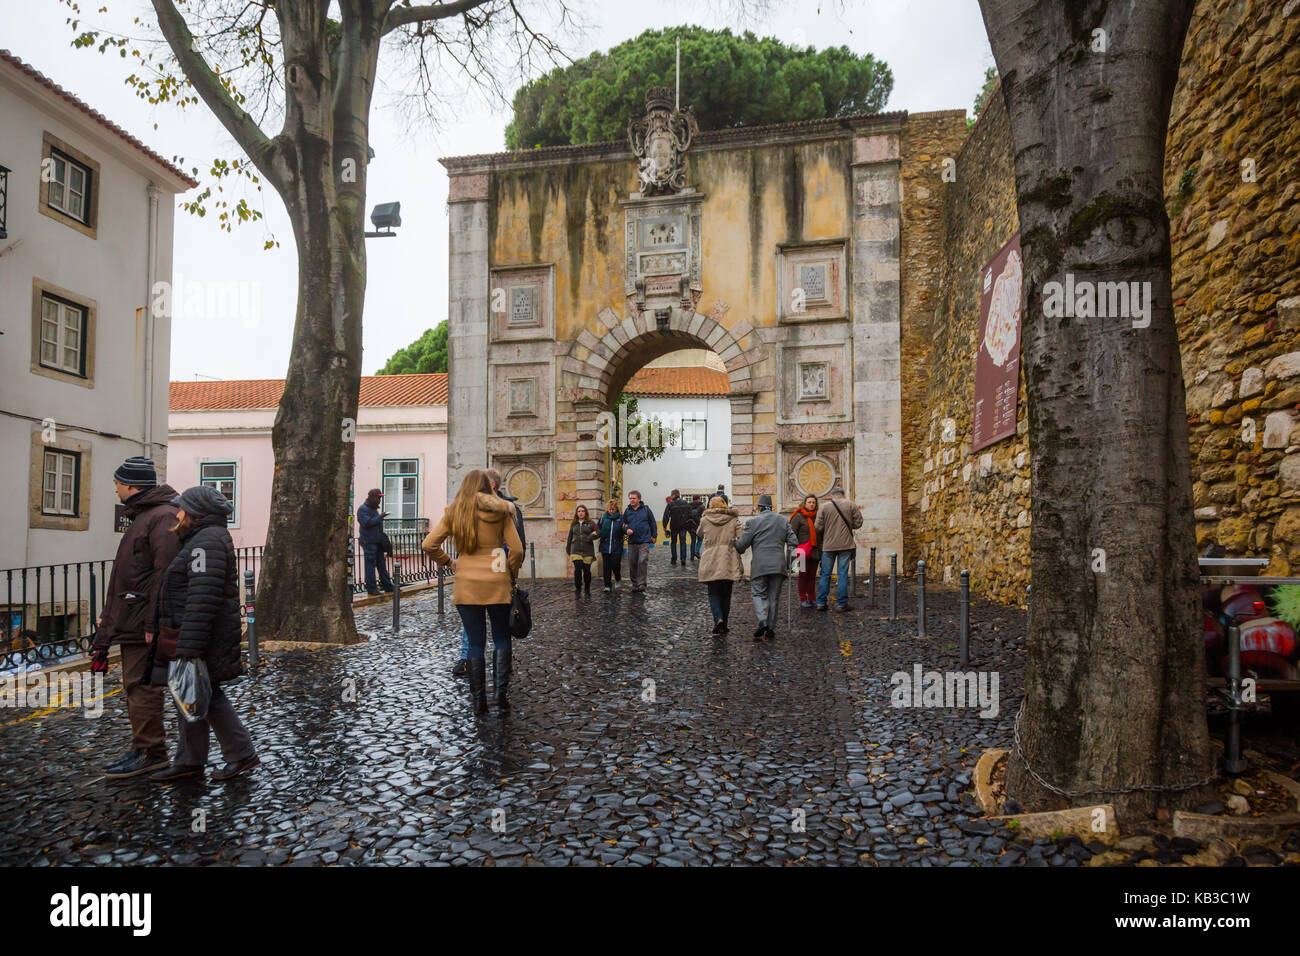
428 353
728 79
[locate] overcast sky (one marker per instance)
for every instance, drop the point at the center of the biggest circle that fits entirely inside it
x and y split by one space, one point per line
936 48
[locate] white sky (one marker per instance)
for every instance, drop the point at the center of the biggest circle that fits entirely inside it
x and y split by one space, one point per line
937 50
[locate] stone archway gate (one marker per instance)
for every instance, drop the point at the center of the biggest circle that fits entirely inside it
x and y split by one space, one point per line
775 247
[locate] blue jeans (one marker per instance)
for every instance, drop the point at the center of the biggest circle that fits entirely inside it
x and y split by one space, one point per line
476 618
696 543
677 546
374 559
841 560
464 643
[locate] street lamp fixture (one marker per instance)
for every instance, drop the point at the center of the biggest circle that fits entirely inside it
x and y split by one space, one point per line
386 216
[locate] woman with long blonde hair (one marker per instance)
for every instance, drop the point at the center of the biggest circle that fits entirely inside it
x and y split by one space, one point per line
489 555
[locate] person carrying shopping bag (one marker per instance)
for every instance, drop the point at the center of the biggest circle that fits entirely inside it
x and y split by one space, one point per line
198 615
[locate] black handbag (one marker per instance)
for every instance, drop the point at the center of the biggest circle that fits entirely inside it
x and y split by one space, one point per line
521 612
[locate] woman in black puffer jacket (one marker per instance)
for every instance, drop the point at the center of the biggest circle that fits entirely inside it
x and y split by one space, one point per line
199 598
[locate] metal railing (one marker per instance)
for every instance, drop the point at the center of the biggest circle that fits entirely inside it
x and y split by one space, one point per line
51 612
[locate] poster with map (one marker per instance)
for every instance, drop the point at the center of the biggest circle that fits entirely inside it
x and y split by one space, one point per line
997 361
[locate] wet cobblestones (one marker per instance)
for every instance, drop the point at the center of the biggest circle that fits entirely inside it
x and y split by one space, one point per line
636 737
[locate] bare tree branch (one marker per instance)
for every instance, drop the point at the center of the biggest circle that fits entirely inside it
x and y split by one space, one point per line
400 16
255 143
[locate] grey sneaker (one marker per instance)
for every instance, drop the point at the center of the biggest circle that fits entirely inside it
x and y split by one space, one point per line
136 764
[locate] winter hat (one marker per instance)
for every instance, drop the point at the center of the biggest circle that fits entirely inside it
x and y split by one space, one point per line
201 501
137 472
765 501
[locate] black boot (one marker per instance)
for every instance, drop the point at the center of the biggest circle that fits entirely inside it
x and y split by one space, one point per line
477 685
501 661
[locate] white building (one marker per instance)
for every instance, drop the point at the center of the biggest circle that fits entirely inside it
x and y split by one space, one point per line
86 216
686 391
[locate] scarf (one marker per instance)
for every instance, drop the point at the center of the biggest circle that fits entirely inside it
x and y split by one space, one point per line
812 530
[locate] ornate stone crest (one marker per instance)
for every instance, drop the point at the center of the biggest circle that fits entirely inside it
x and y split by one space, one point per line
660 140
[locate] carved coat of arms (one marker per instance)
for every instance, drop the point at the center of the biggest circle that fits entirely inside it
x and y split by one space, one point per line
660 140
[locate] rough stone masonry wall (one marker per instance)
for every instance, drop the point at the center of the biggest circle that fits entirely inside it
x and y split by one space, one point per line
1236 283
966 510
1237 302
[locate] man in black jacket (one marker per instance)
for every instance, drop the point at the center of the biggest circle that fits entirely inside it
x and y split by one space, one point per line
697 512
144 552
679 521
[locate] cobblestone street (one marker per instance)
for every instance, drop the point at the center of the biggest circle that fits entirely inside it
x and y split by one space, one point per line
587 768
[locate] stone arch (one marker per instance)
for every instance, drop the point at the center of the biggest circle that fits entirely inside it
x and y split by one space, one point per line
596 366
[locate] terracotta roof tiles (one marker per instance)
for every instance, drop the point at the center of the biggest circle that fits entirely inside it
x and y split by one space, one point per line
430 389
670 382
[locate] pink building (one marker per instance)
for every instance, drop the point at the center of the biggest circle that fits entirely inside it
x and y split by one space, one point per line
219 434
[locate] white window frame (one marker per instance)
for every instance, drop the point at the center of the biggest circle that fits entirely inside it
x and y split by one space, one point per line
64 185
238 465
67 468
63 311
704 423
384 475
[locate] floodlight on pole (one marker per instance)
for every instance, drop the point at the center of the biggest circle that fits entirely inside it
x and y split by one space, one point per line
386 216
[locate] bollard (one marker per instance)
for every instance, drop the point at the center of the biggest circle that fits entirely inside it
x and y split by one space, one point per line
920 599
873 577
893 587
94 600
397 594
441 606
963 622
1233 762
1029 603
532 562
250 617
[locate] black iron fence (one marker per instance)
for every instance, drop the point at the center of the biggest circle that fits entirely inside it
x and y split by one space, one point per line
51 612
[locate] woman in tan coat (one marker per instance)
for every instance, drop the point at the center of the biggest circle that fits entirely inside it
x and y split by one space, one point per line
720 565
489 555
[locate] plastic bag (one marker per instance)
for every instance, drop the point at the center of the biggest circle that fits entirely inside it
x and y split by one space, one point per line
190 687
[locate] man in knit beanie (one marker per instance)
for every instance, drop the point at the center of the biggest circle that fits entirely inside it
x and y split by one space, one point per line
147 547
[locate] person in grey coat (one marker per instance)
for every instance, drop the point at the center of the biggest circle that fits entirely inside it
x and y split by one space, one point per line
768 534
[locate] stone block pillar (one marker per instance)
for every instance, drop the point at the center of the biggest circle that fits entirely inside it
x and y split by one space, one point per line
876 310
467 329
741 492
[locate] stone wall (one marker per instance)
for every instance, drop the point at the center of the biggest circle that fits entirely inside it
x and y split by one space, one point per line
965 510
1232 174
1237 302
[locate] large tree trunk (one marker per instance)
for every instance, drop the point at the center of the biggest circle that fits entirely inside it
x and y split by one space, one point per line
1114 706
305 593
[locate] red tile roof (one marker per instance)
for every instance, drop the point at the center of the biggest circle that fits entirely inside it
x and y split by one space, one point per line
668 382
428 389
36 75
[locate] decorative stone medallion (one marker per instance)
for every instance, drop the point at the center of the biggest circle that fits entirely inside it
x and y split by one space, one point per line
659 140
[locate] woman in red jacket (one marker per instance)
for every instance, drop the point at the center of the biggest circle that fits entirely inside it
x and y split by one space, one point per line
802 523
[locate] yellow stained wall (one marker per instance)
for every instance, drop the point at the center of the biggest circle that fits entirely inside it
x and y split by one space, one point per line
755 197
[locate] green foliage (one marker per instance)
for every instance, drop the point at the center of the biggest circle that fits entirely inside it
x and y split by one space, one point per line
426 354
638 452
982 97
729 80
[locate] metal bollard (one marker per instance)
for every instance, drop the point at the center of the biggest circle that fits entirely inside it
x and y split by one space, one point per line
920 599
963 621
397 594
532 562
250 616
893 586
441 606
873 577
1029 603
1233 762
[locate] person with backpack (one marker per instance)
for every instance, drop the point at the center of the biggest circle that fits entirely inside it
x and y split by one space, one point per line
679 520
802 521
640 529
610 532
720 493
581 549
482 524
720 566
768 534
834 526
198 607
